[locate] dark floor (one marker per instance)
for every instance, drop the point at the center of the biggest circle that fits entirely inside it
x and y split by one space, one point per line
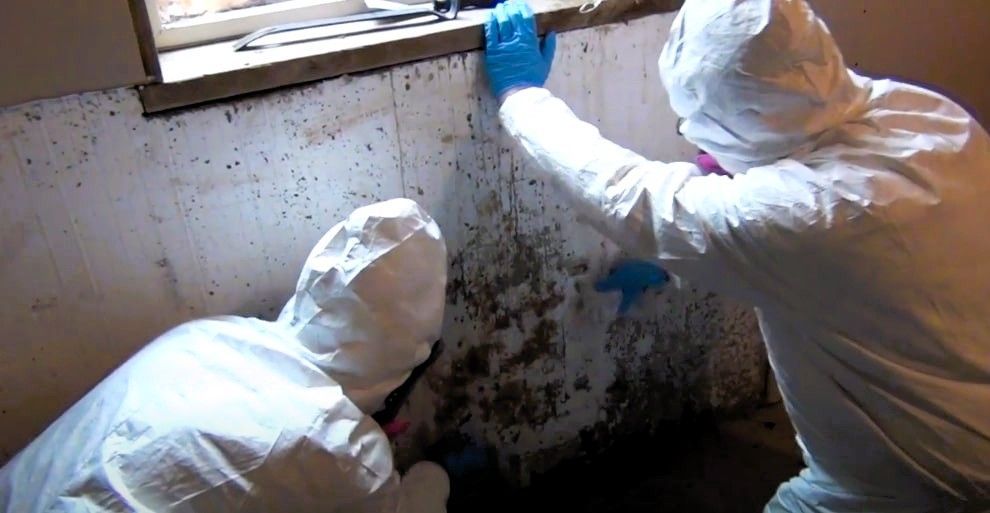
700 467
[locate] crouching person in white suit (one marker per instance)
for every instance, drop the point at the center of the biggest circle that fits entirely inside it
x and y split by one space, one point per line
236 414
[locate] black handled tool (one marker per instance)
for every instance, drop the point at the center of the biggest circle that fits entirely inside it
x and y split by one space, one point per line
442 9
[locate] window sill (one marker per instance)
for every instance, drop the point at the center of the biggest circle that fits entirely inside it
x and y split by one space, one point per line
215 72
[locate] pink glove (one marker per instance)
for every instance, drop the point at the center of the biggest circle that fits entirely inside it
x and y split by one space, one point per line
395 428
709 165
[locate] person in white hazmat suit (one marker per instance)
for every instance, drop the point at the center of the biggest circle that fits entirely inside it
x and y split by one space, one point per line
855 220
237 414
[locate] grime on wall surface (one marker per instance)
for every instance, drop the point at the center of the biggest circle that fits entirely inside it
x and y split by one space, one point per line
116 227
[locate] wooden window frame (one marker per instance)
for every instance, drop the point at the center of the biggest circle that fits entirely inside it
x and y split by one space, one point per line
186 77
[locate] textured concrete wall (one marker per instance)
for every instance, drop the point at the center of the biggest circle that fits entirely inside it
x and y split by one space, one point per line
114 227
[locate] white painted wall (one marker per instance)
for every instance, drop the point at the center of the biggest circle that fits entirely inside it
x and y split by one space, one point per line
114 227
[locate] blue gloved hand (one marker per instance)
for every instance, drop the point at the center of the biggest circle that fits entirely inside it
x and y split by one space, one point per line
632 278
514 56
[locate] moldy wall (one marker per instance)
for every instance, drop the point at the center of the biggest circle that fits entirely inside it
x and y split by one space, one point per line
115 227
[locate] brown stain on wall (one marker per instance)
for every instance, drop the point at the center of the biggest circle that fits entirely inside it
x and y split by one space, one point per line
502 286
513 291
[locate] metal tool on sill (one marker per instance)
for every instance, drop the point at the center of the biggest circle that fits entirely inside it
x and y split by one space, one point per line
442 9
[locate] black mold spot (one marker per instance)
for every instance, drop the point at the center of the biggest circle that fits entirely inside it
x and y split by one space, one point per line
582 383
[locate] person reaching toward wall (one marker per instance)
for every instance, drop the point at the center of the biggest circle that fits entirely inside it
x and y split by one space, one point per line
851 213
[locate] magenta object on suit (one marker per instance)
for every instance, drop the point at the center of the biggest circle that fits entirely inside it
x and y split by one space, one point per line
709 165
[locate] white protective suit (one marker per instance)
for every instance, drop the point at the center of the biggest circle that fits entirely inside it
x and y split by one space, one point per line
855 222
234 414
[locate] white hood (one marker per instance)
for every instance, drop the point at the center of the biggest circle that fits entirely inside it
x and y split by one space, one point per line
755 80
234 414
862 249
370 299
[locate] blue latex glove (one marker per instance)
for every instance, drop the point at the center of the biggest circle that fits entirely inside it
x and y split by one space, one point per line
514 56
472 459
632 278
